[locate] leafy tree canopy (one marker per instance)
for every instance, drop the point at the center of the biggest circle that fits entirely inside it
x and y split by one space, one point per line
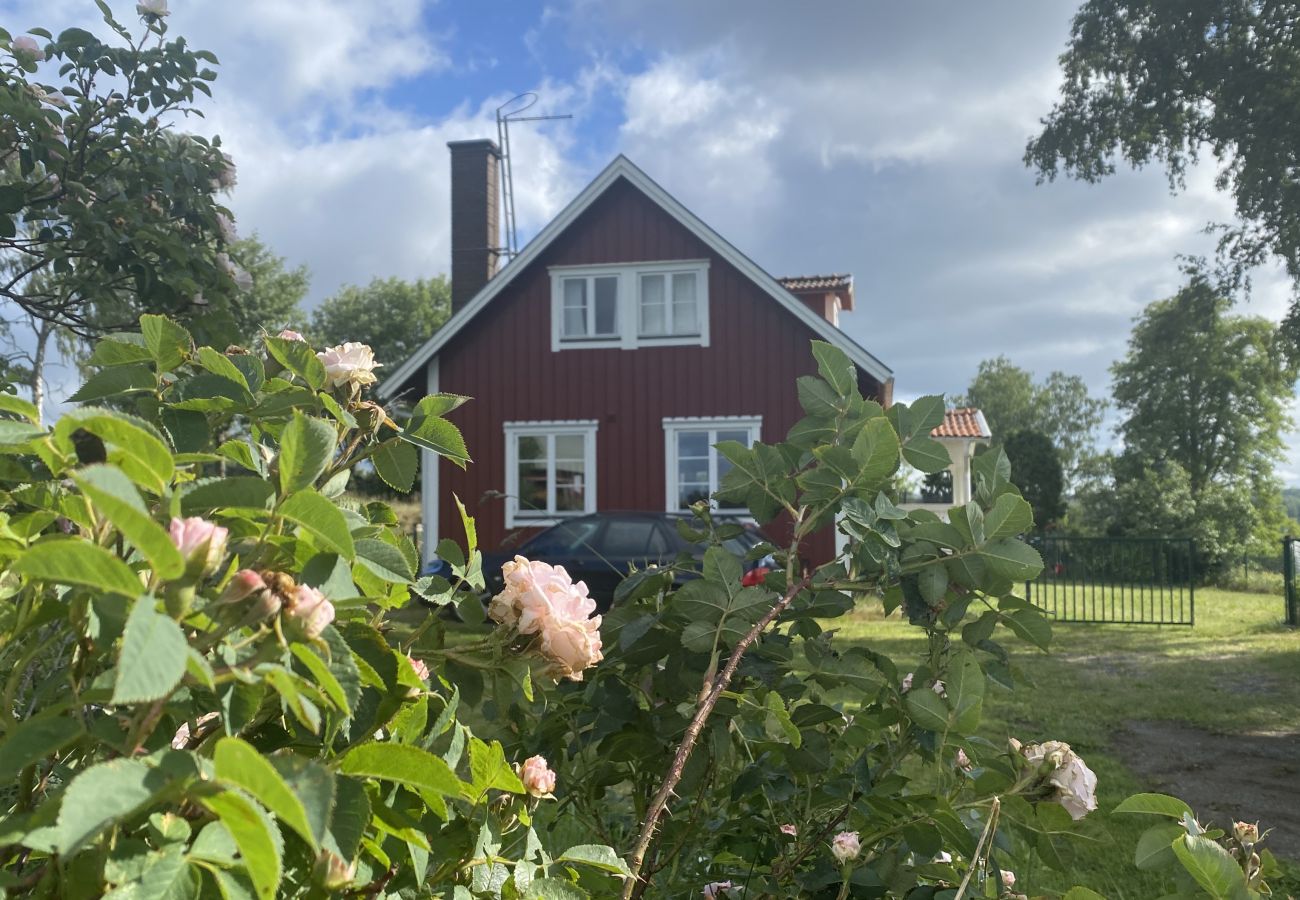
1038 468
391 315
1059 408
1147 81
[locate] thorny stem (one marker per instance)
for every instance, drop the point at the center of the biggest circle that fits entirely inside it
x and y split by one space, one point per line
635 886
989 827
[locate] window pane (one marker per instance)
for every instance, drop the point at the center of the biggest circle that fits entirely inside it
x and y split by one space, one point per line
532 487
695 470
685 320
570 486
740 435
563 538
606 305
626 537
653 319
532 448
690 493
575 307
693 443
569 446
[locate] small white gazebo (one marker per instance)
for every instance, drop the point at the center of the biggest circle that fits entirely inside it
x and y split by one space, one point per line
962 431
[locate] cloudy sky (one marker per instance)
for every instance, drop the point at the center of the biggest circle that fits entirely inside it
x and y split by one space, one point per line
882 139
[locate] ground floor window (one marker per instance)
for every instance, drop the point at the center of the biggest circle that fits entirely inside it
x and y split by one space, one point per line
694 467
550 471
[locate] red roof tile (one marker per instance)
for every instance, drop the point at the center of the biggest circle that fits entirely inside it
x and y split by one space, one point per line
965 422
816 282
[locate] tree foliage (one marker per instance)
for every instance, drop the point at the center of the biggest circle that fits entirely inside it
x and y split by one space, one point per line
1038 469
393 316
95 158
1154 82
1059 408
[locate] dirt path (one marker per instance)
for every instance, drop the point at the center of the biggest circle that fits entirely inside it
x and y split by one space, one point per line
1251 777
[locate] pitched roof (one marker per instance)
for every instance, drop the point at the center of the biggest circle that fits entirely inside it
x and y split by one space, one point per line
816 282
964 422
622 167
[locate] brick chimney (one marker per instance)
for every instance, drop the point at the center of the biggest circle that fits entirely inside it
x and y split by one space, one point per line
475 228
826 295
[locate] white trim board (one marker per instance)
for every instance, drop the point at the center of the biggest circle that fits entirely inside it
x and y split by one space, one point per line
585 427
429 462
622 167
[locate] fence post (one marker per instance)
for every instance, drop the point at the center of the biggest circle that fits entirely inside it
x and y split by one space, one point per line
1288 578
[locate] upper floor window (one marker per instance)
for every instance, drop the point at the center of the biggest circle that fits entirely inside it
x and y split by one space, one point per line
630 305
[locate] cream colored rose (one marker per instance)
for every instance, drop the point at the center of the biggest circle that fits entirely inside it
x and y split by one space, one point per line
541 599
349 364
152 8
289 334
717 890
26 48
1075 783
311 610
571 646
537 777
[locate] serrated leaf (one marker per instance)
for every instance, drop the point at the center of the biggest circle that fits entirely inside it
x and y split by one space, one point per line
101 795
306 448
153 656
239 765
138 449
834 366
1212 867
1011 559
397 462
117 350
71 561
597 855
116 498
1032 626
33 740
237 492
933 582
411 766
298 358
322 519
384 560
441 437
1155 805
1155 847
115 382
313 785
926 455
167 342
1010 516
259 842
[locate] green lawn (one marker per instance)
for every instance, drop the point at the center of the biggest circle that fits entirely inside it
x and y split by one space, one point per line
1236 672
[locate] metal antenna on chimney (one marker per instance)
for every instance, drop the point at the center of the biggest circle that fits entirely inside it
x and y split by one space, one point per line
508 112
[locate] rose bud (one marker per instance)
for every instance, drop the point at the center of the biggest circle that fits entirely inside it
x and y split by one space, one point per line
332 873
311 611
846 846
537 777
202 543
243 585
1245 832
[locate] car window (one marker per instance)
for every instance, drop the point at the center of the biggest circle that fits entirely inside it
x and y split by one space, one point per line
567 537
628 538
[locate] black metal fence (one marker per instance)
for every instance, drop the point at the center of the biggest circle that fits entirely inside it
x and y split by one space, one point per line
1290 559
1134 581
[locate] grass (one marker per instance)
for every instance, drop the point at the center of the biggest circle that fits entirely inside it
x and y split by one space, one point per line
1237 671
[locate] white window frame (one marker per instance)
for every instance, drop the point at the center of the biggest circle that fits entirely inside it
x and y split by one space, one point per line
673 426
627 317
517 518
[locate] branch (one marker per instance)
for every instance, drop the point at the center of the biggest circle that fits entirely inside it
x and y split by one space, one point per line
634 887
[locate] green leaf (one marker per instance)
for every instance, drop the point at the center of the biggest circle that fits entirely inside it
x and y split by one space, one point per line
1032 626
965 688
306 448
553 889
1155 847
238 492
441 437
100 796
926 455
259 841
778 714
876 450
325 679
138 449
35 739
384 560
490 770
410 766
1155 805
598 855
927 413
119 350
1011 559
298 358
1010 516
14 434
219 364
113 494
933 582
20 407
153 657
114 382
1213 868
238 764
1082 893
168 343
322 519
927 710
72 561
313 785
834 366
397 462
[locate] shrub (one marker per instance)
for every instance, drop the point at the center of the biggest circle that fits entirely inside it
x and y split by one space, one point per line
222 677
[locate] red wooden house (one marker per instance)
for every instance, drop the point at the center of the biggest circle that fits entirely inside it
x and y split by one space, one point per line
609 356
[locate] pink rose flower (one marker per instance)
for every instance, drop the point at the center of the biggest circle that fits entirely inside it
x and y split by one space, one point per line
226 227
225 174
1008 879
311 611
790 830
717 890
152 9
542 599
351 364
289 335
961 760
537 777
846 846
1246 832
26 48
202 543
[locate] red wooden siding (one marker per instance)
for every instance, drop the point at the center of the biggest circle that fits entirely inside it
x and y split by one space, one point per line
503 359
